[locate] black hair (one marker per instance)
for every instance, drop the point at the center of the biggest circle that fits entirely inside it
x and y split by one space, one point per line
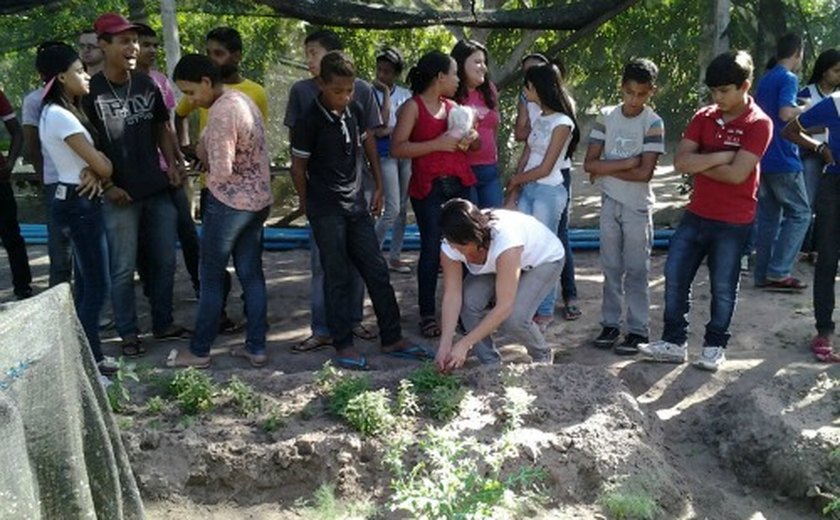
194 67
640 70
54 58
463 50
729 68
87 30
427 69
108 37
228 37
825 61
326 38
336 63
392 56
462 222
534 56
786 47
548 82
145 30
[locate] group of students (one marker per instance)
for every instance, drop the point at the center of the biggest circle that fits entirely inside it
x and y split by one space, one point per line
114 169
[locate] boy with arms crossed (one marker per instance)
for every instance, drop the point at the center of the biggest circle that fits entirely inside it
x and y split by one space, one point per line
721 147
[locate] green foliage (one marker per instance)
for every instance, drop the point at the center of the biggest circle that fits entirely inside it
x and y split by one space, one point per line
370 412
326 506
125 423
630 501
516 405
343 390
273 421
407 403
451 479
155 405
440 394
193 390
244 399
117 392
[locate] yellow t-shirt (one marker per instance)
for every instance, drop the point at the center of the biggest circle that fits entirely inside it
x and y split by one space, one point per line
253 90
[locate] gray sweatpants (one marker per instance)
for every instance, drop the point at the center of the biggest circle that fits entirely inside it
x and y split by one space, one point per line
626 241
534 285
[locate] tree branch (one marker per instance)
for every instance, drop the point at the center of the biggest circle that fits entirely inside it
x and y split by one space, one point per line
348 13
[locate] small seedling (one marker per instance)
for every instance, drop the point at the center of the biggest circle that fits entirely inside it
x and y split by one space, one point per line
370 412
407 404
193 390
273 421
326 506
517 404
155 405
309 410
243 397
327 376
441 394
118 394
345 389
125 423
630 502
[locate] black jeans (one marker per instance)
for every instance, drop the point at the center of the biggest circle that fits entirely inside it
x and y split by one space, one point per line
427 213
827 245
13 242
345 240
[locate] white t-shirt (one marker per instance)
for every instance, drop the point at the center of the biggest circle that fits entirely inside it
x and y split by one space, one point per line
399 95
30 116
57 124
540 138
808 97
511 229
624 137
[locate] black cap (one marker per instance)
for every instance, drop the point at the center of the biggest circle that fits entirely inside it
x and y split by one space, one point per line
53 58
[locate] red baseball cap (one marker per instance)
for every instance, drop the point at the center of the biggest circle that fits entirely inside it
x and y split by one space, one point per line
112 23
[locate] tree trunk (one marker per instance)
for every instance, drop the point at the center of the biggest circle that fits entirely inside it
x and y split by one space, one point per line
137 11
771 25
171 41
715 31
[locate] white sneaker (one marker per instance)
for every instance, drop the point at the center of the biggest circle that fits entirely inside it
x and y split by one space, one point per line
665 352
711 358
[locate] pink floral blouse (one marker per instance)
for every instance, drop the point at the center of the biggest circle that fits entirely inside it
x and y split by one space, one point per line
237 157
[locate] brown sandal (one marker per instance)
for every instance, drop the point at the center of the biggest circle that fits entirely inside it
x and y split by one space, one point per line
429 327
132 348
312 343
256 360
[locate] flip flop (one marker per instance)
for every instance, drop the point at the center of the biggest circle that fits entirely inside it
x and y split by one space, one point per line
132 348
360 364
429 327
364 333
312 343
414 352
172 361
256 360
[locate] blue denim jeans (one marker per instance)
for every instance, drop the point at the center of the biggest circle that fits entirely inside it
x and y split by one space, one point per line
813 166
546 203
567 279
721 245
783 217
346 242
230 232
80 219
395 176
488 188
827 246
427 213
59 249
156 214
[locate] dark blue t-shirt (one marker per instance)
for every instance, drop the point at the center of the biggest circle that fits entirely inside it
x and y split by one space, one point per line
826 113
776 90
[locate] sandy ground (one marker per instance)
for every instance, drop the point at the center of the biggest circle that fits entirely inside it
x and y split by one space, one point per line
770 337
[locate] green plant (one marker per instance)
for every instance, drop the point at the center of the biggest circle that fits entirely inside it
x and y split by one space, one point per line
407 404
325 506
327 376
193 390
630 501
453 480
370 412
344 389
117 392
517 404
273 421
124 423
243 397
441 394
155 405
309 410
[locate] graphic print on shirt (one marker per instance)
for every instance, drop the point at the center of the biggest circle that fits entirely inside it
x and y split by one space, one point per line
117 113
624 144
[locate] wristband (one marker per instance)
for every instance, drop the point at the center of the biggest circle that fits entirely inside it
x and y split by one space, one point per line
819 148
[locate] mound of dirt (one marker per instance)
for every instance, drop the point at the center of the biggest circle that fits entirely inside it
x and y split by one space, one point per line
782 435
584 429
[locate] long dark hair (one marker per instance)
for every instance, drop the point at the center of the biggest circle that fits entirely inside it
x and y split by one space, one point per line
426 71
57 95
463 50
462 222
825 61
548 83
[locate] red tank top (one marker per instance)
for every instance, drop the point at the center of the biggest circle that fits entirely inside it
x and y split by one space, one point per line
427 168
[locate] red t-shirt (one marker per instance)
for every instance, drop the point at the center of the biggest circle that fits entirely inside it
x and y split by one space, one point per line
6 113
751 131
427 168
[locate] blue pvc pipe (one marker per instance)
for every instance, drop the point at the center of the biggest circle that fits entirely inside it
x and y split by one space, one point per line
286 239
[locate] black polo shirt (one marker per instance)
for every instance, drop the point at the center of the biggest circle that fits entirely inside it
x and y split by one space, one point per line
332 144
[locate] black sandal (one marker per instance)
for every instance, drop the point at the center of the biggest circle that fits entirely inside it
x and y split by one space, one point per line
132 348
429 327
